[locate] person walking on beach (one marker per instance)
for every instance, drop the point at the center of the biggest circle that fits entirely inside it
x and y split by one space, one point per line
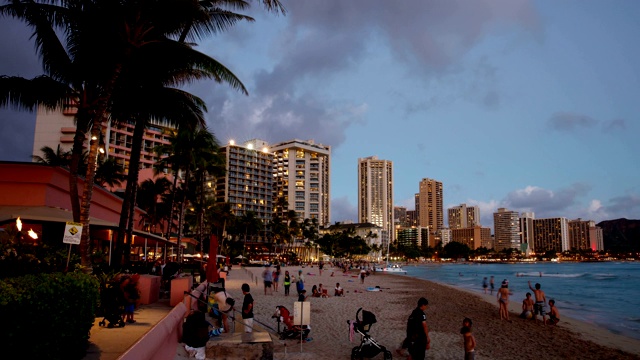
287 283
554 315
363 274
503 300
485 284
468 340
276 278
300 282
541 303
267 277
491 283
247 308
418 340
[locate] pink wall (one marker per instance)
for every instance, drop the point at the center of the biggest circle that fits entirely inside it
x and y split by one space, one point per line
161 341
31 184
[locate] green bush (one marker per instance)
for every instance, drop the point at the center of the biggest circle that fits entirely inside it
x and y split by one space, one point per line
47 316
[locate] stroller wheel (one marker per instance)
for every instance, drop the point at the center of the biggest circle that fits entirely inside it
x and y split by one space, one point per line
101 323
387 355
110 325
355 353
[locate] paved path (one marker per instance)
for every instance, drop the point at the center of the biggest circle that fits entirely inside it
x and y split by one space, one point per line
109 343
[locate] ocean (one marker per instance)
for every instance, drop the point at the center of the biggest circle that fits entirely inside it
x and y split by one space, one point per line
606 294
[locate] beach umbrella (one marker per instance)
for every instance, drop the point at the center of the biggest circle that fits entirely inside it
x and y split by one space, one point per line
221 257
239 257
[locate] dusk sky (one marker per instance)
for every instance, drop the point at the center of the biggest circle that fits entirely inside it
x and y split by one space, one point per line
528 105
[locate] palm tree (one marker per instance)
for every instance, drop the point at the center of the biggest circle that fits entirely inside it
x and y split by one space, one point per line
53 157
279 230
293 226
220 217
109 172
150 198
101 39
250 224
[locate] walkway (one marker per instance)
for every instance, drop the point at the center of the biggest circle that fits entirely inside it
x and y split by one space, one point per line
109 343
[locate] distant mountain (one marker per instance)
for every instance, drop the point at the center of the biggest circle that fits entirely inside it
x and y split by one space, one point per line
621 234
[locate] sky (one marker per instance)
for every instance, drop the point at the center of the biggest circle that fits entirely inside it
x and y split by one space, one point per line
528 105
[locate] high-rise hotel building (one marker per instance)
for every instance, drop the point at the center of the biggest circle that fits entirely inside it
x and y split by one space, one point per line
375 194
506 227
248 181
55 128
463 216
430 211
301 177
551 234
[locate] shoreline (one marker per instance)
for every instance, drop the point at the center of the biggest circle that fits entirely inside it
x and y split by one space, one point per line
588 331
448 305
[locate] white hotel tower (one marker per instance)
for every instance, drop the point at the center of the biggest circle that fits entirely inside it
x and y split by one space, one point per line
375 194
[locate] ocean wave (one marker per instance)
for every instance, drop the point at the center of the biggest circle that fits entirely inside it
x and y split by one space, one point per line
604 276
543 274
634 319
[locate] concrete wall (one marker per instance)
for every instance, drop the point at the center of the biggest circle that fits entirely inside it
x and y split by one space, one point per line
161 341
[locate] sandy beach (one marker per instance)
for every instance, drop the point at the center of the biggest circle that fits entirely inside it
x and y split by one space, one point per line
496 339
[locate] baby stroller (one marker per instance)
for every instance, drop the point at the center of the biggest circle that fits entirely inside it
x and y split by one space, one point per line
368 347
112 305
290 331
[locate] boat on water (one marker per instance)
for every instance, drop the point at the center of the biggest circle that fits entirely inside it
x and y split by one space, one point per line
393 269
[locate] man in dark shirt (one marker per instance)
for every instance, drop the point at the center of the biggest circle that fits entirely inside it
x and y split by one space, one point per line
418 331
247 309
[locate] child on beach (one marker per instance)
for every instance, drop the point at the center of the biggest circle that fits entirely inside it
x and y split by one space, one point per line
469 341
287 283
247 308
554 315
527 307
303 295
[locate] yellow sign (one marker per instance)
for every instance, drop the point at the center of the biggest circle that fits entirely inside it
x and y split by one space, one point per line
72 233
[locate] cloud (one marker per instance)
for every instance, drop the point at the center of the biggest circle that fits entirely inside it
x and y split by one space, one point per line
621 206
564 121
342 210
545 203
614 125
487 208
324 42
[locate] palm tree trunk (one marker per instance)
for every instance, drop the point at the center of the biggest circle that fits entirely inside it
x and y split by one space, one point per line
182 206
99 117
76 155
125 226
85 207
201 214
171 205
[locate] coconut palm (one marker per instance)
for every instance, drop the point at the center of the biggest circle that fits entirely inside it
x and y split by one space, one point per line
220 218
53 157
149 199
109 172
249 224
100 39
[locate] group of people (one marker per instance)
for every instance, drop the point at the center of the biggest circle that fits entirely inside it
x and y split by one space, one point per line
418 341
531 307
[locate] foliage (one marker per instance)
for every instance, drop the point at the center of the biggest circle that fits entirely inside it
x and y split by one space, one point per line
343 244
456 250
47 316
19 258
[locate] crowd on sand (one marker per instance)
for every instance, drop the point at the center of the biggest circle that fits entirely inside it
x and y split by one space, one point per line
414 318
